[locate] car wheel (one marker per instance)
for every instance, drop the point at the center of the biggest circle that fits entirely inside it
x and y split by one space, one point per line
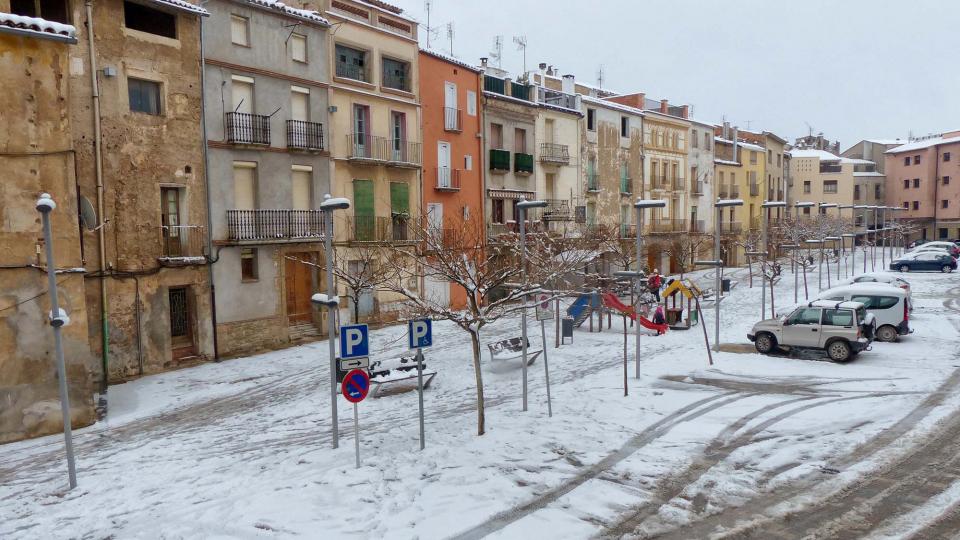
904 268
887 333
839 351
765 343
946 269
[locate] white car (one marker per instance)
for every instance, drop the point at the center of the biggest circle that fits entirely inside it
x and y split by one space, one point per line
948 247
889 305
880 277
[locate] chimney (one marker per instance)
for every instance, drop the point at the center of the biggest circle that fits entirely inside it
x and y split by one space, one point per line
685 111
568 84
543 66
483 61
726 130
550 71
664 106
734 138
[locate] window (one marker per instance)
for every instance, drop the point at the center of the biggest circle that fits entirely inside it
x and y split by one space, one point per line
778 160
946 180
144 96
906 204
497 210
51 10
240 30
146 19
249 269
942 232
707 137
806 210
906 183
520 140
838 317
830 186
944 203
398 134
351 63
694 137
471 103
916 205
301 187
591 119
946 156
906 161
805 316
877 191
770 156
916 160
468 162
624 126
496 136
753 157
916 182
395 74
244 185
806 186
856 192
298 47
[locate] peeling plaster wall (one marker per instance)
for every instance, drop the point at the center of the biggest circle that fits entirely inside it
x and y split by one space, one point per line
36 120
609 151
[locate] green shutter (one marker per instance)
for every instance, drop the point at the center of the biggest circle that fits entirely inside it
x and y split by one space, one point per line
363 210
400 198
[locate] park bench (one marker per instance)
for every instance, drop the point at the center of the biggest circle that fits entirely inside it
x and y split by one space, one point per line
385 373
510 349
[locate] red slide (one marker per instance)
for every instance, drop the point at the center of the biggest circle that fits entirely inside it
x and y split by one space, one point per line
611 301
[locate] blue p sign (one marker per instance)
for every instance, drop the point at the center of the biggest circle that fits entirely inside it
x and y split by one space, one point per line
354 341
420 333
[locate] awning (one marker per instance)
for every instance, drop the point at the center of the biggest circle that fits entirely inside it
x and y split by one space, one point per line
510 194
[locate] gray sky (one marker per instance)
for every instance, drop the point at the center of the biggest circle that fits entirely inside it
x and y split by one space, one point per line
852 69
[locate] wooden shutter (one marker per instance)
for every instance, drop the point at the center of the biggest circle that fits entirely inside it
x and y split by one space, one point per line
400 198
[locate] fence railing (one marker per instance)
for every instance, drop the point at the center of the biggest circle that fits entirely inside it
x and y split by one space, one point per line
556 98
520 91
350 71
396 82
306 135
731 227
659 181
734 192
628 231
696 188
679 184
447 179
494 84
451 119
554 153
697 226
247 128
183 240
558 210
667 225
273 225
398 151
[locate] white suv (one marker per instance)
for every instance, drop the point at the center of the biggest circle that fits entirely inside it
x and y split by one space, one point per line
841 329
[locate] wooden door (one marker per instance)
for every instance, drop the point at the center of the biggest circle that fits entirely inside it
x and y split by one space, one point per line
299 284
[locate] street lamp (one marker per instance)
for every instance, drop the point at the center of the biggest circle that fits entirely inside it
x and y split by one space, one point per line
522 206
328 206
718 262
640 205
767 205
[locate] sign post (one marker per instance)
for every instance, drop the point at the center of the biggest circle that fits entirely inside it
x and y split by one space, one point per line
420 335
545 314
355 387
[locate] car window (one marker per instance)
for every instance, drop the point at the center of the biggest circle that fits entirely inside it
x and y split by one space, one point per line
838 317
865 279
867 301
886 302
806 316
861 314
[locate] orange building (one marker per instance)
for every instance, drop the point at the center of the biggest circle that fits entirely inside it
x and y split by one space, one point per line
452 154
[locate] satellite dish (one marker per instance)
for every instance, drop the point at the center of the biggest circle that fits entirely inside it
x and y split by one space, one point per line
88 216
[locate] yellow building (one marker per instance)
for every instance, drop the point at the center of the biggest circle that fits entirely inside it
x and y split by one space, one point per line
375 132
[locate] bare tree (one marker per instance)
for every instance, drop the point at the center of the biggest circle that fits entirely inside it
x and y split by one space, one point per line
365 272
750 242
488 272
684 248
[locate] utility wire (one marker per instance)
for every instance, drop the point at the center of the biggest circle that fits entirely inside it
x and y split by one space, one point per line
32 298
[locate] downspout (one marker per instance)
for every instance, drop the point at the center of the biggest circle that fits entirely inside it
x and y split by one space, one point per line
101 241
206 187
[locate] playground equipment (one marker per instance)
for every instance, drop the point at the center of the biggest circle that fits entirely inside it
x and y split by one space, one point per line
583 307
611 301
673 313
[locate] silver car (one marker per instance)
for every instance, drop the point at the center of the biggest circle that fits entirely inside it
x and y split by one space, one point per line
841 329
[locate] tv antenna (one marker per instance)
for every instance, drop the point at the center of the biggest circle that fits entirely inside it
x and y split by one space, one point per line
450 35
521 43
431 31
497 53
600 77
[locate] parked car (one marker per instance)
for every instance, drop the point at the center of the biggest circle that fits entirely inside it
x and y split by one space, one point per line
949 247
925 260
917 242
889 305
879 277
841 329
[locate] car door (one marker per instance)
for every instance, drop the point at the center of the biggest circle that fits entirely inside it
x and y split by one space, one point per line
802 328
928 261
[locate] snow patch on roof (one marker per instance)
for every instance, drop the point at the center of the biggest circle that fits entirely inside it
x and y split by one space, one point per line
920 145
35 24
452 59
868 174
304 14
726 162
611 105
183 6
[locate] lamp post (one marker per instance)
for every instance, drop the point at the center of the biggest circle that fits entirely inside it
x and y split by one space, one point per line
522 206
793 267
640 205
328 206
718 262
767 205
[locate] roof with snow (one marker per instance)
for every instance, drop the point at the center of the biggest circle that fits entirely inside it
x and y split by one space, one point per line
181 5
38 26
872 173
452 59
611 105
302 14
920 145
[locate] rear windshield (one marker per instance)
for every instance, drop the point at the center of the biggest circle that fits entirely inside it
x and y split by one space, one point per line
876 302
838 317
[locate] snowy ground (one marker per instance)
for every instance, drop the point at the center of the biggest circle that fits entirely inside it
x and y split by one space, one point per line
241 449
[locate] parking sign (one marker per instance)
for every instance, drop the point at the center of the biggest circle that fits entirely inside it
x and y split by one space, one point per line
420 333
354 341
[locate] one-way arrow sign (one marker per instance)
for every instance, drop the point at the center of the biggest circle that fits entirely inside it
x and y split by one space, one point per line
346 364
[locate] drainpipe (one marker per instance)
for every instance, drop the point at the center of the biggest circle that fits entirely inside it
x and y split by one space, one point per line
101 241
206 188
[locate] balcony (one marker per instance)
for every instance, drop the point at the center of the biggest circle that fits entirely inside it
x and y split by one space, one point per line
593 181
679 184
447 179
734 192
350 71
626 185
667 225
494 84
303 135
270 226
180 242
365 148
520 91
556 98
395 82
830 167
731 227
697 226
522 163
499 160
696 188
724 192
558 210
755 223
628 231
451 120
379 229
243 128
754 189
554 153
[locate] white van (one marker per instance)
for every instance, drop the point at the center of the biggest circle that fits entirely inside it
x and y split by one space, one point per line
888 304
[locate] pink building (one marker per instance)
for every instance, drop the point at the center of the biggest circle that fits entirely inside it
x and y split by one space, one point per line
923 177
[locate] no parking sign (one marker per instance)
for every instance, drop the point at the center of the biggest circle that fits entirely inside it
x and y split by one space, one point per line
544 313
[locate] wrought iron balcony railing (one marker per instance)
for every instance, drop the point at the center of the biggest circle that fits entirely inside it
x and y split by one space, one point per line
244 128
304 135
274 225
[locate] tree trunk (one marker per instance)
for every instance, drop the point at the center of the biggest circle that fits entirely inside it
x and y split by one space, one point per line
356 308
806 293
750 268
773 311
475 341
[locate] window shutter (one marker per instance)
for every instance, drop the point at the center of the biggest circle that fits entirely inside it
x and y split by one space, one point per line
363 197
400 198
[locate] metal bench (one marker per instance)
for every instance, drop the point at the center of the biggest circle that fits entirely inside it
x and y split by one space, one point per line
395 370
510 349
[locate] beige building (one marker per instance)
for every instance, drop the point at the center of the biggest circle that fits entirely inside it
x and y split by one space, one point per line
819 176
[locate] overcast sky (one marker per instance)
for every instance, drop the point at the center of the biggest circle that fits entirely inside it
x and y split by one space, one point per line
852 69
